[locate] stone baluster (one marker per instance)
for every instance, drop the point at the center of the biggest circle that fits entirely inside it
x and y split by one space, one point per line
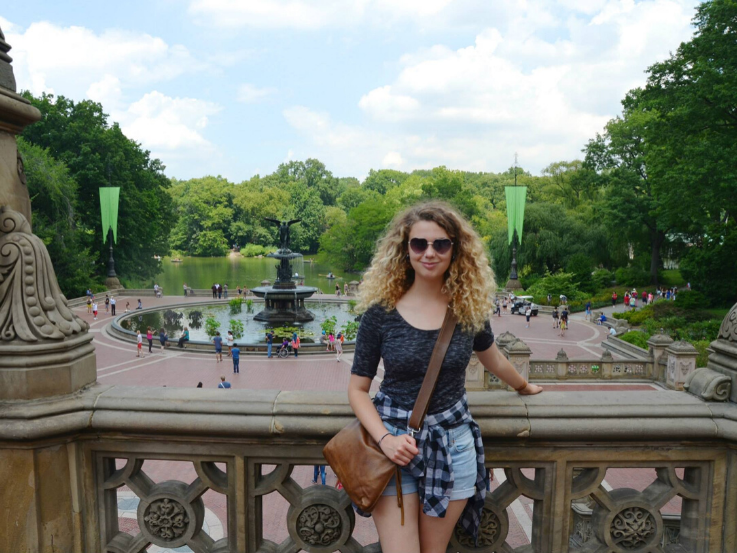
607 361
657 345
562 361
519 354
353 288
681 359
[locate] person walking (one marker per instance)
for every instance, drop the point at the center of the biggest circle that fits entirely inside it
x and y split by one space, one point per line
214 291
269 343
89 305
563 321
113 301
556 316
94 310
127 306
107 303
236 355
528 314
337 290
139 343
184 338
150 338
225 291
218 341
220 292
633 302
614 299
588 310
295 344
504 305
321 470
229 340
140 305
339 346
497 308
430 261
224 384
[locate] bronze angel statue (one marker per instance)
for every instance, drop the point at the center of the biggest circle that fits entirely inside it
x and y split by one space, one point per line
283 230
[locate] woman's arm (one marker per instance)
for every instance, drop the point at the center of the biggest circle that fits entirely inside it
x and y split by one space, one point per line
400 449
494 361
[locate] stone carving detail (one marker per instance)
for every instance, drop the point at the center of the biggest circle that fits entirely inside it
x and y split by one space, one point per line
32 307
21 168
319 525
728 330
489 531
632 528
166 519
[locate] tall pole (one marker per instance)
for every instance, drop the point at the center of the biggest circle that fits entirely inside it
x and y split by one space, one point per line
513 272
111 261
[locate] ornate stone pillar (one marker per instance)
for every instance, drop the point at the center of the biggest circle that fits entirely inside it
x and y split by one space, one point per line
475 379
519 355
681 359
723 351
46 352
562 361
657 346
353 288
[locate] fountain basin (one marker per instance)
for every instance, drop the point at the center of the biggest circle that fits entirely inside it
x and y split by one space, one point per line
284 305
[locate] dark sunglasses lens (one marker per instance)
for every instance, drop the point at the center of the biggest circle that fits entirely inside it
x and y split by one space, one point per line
418 245
442 246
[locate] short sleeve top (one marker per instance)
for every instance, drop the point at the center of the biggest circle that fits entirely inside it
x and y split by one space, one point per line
406 352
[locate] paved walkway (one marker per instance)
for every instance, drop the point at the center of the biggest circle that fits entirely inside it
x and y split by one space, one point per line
117 364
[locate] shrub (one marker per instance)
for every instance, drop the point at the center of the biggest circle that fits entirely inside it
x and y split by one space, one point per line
632 276
635 338
580 266
602 279
703 357
252 250
235 305
691 299
249 305
636 318
328 325
528 281
350 330
211 326
555 285
236 327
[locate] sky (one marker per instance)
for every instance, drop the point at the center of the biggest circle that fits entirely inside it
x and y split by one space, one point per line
236 87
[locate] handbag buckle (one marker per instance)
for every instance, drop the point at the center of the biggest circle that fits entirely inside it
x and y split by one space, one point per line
411 431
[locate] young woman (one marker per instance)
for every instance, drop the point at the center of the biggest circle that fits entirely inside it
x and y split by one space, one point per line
150 338
429 261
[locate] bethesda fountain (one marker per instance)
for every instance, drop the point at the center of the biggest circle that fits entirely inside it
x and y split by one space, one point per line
284 300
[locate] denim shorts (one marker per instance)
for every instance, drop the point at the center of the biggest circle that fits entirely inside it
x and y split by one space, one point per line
463 459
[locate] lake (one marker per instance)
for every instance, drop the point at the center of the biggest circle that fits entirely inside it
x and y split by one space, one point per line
203 272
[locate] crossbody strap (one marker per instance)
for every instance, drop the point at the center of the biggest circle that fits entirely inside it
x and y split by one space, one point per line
433 370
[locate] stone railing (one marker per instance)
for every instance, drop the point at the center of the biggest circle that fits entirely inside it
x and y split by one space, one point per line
554 449
668 362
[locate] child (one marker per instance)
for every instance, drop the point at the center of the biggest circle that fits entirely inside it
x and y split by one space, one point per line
139 345
89 305
94 310
331 341
295 345
107 303
229 341
339 347
127 306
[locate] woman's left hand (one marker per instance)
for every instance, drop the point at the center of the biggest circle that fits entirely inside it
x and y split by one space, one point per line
530 390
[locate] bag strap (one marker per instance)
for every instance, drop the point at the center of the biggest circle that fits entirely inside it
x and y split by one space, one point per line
433 370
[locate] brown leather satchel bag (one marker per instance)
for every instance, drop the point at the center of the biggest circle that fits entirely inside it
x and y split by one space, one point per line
354 455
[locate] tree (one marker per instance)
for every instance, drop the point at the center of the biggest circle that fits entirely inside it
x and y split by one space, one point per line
99 154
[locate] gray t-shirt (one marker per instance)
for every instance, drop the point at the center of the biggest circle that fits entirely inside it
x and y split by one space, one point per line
406 352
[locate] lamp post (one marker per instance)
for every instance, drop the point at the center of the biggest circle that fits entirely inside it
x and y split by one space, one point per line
516 196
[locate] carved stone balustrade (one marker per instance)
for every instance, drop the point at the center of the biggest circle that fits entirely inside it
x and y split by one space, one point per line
554 449
681 362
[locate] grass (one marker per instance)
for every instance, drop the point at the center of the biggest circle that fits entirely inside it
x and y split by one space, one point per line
672 277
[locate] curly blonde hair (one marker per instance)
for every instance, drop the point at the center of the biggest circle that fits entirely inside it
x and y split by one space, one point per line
469 281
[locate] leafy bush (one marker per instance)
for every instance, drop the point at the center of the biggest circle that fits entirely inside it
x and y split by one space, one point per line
235 305
352 306
632 276
249 305
691 299
527 281
211 326
252 250
580 266
663 309
555 285
635 338
328 325
703 357
636 318
602 279
236 327
350 330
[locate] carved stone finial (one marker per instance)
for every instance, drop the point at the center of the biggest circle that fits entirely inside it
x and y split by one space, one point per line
7 79
562 355
32 306
607 356
728 330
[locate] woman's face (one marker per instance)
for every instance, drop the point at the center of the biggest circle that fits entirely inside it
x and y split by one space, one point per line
429 264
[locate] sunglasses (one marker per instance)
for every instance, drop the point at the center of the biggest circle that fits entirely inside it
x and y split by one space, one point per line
441 245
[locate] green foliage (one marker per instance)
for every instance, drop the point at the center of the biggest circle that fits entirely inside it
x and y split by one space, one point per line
236 304
98 154
602 278
350 330
329 324
236 327
635 338
249 305
580 266
555 285
632 276
253 250
282 332
636 318
691 299
352 306
212 326
703 356
53 193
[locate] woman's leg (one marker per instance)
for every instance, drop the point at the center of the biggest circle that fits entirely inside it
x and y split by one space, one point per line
394 537
435 532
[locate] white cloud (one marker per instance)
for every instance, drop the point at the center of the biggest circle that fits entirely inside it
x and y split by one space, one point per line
251 94
165 124
392 160
48 57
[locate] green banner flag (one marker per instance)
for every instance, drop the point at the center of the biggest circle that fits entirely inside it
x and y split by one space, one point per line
516 197
109 197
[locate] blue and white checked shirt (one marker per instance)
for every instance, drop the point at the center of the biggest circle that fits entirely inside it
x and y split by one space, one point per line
432 467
